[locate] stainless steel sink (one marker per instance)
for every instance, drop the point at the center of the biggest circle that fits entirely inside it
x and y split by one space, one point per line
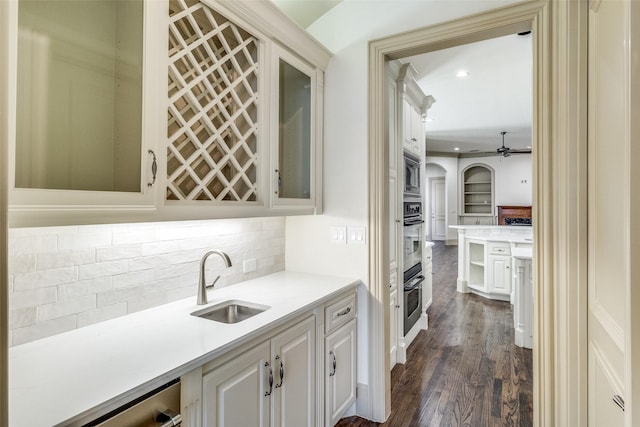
230 311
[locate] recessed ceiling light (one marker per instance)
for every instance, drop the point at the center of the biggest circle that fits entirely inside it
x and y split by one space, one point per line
462 74
429 119
456 149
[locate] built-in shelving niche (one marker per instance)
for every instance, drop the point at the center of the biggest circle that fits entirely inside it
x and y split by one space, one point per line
213 106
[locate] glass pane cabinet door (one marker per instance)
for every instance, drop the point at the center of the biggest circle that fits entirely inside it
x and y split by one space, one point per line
295 131
79 95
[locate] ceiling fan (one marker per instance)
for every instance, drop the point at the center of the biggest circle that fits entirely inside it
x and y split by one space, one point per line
506 151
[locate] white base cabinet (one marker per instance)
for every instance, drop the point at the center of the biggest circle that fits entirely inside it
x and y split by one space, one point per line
298 374
236 393
271 384
340 348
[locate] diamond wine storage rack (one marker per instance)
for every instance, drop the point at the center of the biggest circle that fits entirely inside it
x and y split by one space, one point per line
212 129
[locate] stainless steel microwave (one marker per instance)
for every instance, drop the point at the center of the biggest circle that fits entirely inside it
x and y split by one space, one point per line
411 175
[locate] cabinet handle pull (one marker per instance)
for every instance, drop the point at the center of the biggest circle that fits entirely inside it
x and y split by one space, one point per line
618 400
281 372
278 181
268 393
154 169
344 312
333 363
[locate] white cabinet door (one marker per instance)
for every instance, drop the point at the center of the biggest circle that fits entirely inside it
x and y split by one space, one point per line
295 117
613 205
393 328
88 111
340 348
293 354
238 392
499 275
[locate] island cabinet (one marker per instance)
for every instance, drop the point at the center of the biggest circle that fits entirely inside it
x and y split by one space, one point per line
488 268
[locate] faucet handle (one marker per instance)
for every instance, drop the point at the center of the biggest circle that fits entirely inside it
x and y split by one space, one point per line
212 283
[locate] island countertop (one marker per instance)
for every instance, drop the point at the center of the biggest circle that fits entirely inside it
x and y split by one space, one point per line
61 379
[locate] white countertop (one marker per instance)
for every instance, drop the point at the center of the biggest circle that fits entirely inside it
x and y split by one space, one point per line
497 233
522 253
61 378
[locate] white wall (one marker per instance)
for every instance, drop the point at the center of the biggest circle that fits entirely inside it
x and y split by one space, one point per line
346 30
513 184
62 278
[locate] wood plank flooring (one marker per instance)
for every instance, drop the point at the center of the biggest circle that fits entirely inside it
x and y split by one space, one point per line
464 370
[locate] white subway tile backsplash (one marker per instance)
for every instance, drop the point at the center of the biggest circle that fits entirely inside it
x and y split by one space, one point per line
32 298
45 278
65 259
43 329
85 287
86 239
61 278
32 244
118 252
101 314
101 269
128 280
66 307
22 317
134 236
20 264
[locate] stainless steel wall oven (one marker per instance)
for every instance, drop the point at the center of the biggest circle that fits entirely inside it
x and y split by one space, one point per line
412 259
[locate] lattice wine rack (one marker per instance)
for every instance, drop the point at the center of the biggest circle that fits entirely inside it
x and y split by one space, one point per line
213 103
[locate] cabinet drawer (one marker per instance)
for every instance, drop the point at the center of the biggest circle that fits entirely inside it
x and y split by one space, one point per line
499 248
339 313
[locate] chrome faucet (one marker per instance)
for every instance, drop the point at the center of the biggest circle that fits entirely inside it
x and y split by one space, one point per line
202 285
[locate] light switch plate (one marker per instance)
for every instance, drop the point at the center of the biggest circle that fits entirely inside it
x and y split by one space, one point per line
339 234
357 235
249 265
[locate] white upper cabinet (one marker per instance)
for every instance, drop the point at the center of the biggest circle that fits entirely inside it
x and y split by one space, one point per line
87 112
101 135
295 115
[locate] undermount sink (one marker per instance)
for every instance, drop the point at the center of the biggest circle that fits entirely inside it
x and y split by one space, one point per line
230 311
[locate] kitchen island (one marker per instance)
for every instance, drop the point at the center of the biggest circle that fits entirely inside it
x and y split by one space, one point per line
496 262
484 258
71 378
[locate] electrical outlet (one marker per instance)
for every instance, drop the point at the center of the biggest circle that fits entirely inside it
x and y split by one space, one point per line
249 265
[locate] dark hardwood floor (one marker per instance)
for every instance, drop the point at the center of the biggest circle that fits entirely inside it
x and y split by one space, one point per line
464 370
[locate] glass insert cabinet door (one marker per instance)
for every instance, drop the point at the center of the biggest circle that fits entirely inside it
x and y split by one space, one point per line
79 95
294 171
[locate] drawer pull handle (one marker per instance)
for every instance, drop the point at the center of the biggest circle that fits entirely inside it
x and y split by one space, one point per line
344 312
281 372
618 400
154 169
333 363
268 393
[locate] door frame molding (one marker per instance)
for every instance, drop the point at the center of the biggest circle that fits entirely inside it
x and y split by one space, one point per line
559 196
4 275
